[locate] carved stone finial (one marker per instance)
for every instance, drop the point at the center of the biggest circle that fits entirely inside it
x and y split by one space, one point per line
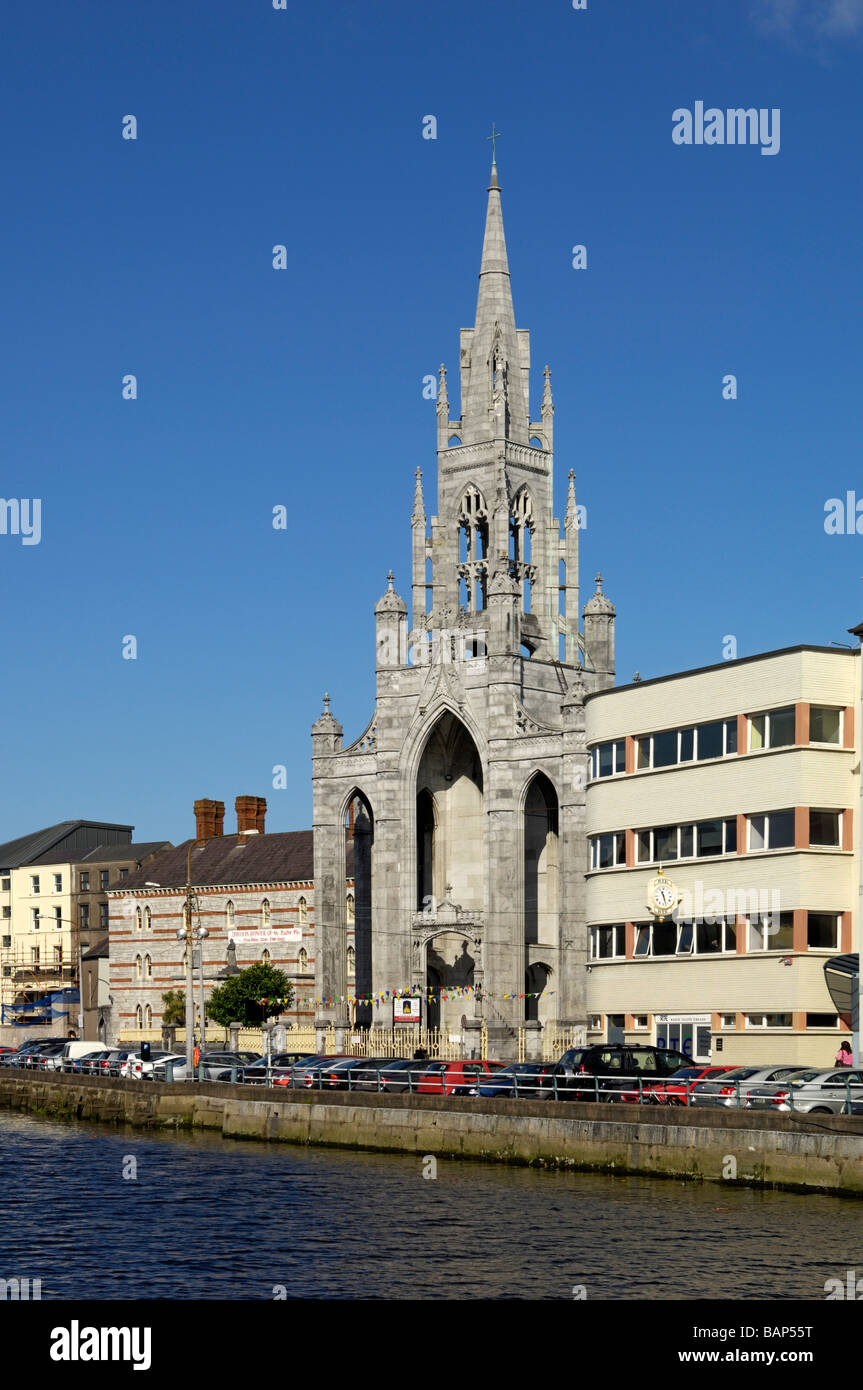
327 703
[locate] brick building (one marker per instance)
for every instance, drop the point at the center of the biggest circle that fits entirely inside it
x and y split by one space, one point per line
253 888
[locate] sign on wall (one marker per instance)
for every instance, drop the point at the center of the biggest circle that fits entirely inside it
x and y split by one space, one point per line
258 934
407 1010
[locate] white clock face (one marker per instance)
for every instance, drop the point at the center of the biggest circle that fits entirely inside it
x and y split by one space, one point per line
663 896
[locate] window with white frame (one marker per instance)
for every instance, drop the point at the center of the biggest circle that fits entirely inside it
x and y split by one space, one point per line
594 1023
58 919
608 759
34 919
148 1016
822 931
148 918
773 729
767 1020
825 829
139 1016
771 932
608 851
698 840
609 942
698 743
772 831
34 883
303 960
825 724
58 883
715 938
229 917
148 968
639 1020
728 1020
137 919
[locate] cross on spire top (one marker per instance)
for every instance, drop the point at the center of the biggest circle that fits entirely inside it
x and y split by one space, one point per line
494 137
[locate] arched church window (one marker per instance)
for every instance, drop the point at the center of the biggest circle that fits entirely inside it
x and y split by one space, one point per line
148 1016
352 962
302 910
139 1017
349 905
265 957
473 549
147 919
148 968
265 913
303 960
137 919
138 967
229 916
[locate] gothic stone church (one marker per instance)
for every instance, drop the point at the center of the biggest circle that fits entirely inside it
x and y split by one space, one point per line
466 793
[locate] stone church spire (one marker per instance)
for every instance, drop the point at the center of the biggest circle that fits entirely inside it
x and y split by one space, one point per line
493 367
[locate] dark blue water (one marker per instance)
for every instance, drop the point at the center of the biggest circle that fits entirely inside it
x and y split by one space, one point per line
212 1218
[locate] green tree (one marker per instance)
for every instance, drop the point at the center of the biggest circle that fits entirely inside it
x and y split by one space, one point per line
238 999
174 1007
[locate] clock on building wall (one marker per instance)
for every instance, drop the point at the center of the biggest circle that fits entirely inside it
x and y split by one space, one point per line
662 896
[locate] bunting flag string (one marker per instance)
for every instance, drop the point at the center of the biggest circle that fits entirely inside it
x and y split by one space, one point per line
382 997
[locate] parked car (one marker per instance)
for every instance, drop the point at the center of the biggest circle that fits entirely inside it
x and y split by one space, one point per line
73 1065
454 1078
761 1097
618 1071
825 1093
521 1080
49 1057
280 1066
156 1069
18 1056
732 1089
339 1075
395 1075
97 1063
307 1075
677 1090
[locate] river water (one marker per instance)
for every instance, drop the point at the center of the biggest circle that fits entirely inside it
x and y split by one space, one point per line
201 1217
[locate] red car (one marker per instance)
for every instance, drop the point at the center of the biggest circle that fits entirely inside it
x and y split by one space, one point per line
677 1088
453 1078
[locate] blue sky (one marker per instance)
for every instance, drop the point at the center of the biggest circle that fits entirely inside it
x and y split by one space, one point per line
304 387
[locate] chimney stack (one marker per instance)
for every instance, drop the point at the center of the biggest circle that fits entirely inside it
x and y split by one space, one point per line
251 814
209 819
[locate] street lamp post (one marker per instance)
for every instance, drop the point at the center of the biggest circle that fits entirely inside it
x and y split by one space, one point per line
184 933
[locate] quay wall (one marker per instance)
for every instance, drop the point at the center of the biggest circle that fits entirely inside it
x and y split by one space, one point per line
822 1153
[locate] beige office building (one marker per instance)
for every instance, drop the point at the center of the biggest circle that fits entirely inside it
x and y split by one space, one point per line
741 780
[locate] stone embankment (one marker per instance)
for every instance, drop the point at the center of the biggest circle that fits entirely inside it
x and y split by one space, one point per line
821 1153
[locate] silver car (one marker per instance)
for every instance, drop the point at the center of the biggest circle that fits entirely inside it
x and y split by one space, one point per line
732 1089
762 1097
826 1093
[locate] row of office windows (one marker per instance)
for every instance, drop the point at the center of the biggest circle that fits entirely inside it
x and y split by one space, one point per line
84 885
54 918
727 1021
709 838
702 742
769 933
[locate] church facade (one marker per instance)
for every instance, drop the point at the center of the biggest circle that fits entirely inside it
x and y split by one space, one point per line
466 792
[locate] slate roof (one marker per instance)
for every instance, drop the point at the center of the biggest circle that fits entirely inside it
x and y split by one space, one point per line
285 857
106 854
98 951
27 848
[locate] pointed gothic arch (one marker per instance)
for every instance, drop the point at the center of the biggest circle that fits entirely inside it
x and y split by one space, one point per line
541 864
473 541
359 821
450 816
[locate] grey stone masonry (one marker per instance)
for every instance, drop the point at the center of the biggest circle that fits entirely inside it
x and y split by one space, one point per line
466 792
